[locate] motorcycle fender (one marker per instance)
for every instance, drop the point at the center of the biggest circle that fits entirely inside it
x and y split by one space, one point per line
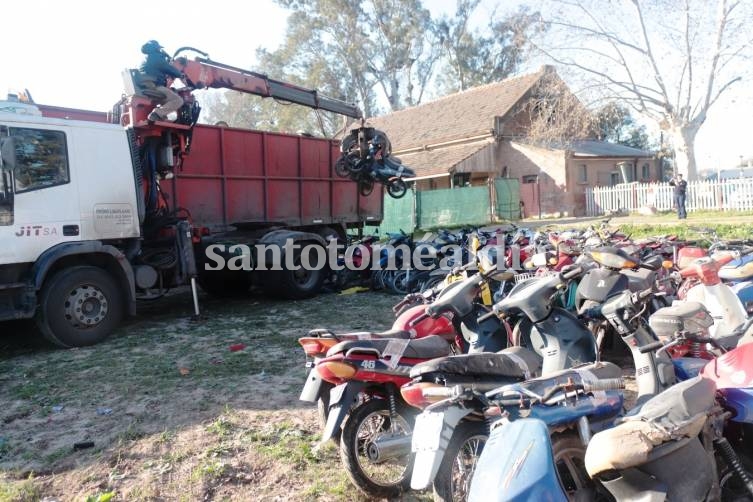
313 387
427 460
517 464
341 398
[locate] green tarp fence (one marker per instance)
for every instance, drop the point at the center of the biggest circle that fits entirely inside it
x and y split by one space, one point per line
451 207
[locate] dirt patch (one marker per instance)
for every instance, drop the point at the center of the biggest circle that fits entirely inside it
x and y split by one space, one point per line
173 413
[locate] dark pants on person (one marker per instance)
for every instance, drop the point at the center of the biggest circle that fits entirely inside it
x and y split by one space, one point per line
680 202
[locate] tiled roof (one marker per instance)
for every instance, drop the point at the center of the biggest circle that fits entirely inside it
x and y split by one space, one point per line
462 115
441 160
589 148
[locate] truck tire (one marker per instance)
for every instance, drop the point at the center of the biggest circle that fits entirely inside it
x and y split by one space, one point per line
79 306
294 284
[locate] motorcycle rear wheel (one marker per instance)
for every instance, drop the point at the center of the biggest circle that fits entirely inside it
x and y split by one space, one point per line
367 422
397 188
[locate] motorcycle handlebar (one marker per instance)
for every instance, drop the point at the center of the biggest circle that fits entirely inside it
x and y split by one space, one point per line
604 384
486 316
571 274
419 319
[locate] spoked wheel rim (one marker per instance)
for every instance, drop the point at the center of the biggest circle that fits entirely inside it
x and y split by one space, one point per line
465 465
390 471
86 306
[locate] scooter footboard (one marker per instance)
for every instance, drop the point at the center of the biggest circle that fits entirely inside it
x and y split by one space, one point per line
517 464
432 433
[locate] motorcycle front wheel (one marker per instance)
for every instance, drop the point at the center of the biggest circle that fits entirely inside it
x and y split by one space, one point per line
396 188
385 477
453 480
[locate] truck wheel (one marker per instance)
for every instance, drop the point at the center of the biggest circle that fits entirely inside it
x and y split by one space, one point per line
79 306
294 284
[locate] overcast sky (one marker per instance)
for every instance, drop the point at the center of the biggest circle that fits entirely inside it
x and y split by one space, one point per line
71 53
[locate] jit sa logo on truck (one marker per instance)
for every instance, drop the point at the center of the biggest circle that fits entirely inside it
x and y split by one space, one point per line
36 231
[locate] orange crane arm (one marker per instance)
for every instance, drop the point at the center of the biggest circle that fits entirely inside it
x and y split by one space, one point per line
202 73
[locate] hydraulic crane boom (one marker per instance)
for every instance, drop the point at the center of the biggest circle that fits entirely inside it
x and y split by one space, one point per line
201 73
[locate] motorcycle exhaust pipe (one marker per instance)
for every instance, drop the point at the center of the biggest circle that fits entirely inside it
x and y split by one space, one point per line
387 447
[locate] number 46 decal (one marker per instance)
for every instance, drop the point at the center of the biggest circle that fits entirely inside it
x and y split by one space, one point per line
368 364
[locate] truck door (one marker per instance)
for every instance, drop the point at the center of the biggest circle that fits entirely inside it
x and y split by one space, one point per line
40 206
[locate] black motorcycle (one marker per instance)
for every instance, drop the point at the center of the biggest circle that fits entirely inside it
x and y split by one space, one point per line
366 158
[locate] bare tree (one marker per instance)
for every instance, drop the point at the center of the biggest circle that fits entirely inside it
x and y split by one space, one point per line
553 114
669 60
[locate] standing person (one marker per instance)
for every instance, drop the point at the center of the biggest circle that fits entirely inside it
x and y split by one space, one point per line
155 70
681 187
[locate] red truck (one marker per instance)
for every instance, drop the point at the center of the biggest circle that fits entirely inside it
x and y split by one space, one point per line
101 209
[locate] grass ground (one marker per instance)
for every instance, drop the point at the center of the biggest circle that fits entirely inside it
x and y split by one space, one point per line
172 412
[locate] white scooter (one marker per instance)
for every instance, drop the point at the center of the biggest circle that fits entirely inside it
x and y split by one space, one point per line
730 316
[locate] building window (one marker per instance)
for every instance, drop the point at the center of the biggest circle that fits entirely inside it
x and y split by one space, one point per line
615 178
646 171
41 159
461 180
530 178
582 174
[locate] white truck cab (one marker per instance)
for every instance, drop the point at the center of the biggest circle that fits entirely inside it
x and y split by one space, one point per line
68 208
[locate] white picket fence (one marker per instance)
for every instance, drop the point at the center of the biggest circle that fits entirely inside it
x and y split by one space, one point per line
726 195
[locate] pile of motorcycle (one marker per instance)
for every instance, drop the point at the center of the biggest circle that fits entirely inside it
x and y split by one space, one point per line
512 396
366 158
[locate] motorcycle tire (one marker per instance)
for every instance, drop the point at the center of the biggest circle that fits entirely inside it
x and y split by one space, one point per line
370 416
365 187
399 283
341 167
396 188
453 480
569 459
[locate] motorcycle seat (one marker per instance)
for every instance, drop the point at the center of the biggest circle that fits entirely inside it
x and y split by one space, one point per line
691 317
639 280
360 335
652 428
427 347
512 362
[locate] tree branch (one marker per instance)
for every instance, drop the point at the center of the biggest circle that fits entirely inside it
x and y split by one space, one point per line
723 14
649 53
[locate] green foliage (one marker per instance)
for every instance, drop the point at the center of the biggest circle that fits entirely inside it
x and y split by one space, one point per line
473 58
613 122
359 51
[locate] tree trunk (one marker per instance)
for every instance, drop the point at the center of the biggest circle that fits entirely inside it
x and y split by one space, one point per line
683 141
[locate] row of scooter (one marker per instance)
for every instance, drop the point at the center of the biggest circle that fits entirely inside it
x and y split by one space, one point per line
496 384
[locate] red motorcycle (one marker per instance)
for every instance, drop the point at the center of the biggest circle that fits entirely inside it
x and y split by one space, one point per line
318 342
375 442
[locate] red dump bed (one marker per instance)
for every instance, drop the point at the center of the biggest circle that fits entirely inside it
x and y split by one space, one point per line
237 176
